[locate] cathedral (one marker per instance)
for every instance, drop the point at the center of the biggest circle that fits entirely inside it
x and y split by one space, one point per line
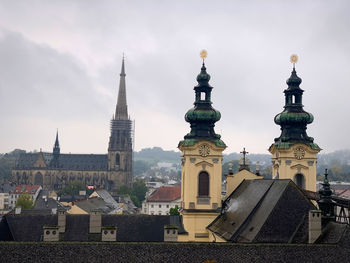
54 170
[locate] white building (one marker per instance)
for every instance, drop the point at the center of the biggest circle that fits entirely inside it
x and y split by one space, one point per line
32 190
161 200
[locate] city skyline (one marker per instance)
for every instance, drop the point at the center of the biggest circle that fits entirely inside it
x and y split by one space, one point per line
60 70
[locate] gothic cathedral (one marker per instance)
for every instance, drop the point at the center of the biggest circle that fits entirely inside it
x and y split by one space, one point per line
56 170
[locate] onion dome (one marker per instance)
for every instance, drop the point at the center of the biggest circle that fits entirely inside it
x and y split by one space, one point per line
202 117
294 120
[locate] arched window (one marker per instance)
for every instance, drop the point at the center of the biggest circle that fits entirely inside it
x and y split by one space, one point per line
203 184
117 159
299 180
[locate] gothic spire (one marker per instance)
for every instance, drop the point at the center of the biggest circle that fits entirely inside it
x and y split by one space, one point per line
56 147
121 111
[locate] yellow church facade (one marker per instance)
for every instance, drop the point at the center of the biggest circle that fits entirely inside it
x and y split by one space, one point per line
294 157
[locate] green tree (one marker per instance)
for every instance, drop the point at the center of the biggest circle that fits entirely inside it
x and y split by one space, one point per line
73 188
137 193
174 211
25 201
139 190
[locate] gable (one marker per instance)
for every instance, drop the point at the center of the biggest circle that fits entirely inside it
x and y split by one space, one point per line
286 217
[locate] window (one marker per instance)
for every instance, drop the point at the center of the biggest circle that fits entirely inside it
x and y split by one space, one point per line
203 184
160 213
151 206
117 159
167 206
299 180
160 206
202 96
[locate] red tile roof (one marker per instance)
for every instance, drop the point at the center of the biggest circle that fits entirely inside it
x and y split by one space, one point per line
166 194
28 189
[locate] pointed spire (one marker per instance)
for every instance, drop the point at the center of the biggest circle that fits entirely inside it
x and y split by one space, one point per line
57 144
121 112
56 151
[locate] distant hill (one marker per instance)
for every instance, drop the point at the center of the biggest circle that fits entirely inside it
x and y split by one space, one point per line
157 154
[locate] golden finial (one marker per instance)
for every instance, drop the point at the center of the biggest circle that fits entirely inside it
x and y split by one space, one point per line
204 54
293 59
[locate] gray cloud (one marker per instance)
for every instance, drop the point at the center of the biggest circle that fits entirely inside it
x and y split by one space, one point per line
68 57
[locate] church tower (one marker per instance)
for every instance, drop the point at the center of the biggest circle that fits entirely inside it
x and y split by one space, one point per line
294 153
55 153
201 164
120 141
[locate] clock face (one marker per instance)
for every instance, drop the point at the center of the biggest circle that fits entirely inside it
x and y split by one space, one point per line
204 150
299 152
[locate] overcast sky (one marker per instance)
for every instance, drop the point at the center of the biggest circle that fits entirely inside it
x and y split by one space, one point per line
60 63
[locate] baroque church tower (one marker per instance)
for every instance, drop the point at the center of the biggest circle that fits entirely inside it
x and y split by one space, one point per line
120 141
201 164
294 153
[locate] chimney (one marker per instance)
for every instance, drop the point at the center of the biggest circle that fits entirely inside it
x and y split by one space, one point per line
51 234
170 233
95 221
109 234
18 210
61 221
315 228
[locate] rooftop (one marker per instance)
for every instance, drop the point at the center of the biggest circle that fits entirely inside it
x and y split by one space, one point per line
165 194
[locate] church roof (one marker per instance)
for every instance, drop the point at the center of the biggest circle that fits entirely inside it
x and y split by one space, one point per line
263 211
89 162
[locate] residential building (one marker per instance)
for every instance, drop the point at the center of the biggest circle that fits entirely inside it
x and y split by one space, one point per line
161 200
32 190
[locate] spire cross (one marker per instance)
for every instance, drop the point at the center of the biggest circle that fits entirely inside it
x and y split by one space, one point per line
244 152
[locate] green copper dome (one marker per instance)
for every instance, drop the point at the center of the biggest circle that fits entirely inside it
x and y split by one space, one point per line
202 117
294 120
194 115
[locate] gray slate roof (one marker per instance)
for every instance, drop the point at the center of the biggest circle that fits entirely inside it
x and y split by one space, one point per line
263 211
29 227
88 162
88 205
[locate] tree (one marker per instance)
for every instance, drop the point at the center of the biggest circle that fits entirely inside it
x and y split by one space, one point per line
137 193
174 211
25 201
73 188
139 190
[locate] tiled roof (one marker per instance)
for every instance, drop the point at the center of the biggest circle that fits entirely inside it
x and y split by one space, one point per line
25 189
165 194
